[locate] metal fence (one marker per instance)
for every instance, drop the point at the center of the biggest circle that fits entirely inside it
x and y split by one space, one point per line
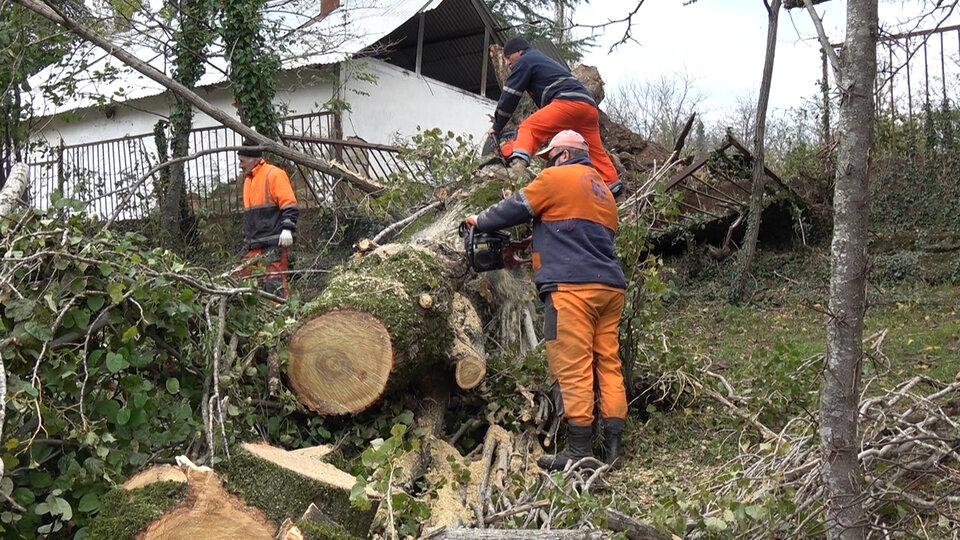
917 74
103 173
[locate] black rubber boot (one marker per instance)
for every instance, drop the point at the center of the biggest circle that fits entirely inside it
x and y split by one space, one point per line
579 445
612 449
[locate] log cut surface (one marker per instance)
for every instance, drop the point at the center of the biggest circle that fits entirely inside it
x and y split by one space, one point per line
303 464
210 512
340 361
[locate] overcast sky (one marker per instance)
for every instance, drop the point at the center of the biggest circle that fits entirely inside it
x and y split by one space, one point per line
721 44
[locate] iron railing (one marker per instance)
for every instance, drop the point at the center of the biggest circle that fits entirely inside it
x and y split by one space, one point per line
103 173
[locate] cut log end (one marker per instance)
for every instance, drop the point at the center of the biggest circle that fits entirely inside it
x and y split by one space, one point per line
425 301
339 362
470 372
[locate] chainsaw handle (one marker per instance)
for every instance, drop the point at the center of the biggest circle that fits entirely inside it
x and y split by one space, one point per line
464 229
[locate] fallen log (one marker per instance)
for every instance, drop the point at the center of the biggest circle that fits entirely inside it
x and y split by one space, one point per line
381 322
285 484
634 529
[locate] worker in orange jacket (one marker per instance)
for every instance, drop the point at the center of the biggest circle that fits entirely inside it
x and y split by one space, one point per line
269 219
564 104
582 285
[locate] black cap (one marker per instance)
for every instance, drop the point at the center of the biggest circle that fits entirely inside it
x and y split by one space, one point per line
515 44
248 152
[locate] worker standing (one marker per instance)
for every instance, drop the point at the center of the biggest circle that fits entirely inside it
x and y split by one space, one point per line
564 104
582 285
269 219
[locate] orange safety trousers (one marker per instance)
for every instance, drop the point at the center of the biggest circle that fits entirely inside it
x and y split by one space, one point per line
272 264
581 323
557 116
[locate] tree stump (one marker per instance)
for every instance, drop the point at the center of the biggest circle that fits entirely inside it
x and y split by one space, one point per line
284 484
207 510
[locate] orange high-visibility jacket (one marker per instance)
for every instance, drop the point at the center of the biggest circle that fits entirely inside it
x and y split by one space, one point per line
269 204
574 223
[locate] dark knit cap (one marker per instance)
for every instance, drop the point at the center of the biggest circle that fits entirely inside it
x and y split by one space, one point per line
249 152
515 44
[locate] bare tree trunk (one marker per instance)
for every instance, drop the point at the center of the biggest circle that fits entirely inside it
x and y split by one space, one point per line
841 384
759 176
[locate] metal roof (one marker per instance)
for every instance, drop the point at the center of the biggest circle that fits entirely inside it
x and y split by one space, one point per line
453 49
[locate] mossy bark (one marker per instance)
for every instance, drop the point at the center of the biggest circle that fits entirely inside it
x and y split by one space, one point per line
126 512
281 492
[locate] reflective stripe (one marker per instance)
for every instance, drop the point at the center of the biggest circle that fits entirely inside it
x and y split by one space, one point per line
512 91
575 95
543 95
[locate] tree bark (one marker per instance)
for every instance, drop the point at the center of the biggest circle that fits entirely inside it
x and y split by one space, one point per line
194 99
634 529
759 174
840 391
11 196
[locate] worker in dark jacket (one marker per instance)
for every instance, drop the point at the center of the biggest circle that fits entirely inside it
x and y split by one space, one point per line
564 104
582 285
269 219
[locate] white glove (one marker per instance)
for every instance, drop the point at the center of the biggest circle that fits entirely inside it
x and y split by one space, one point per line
286 238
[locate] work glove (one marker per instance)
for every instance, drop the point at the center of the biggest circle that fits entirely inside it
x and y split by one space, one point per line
617 189
286 238
471 220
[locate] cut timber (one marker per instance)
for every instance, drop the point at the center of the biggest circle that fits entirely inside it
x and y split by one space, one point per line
340 362
284 484
209 512
467 348
371 331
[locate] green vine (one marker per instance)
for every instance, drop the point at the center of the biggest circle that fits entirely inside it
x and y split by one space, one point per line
253 68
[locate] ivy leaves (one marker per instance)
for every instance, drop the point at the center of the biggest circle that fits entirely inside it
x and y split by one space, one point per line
110 365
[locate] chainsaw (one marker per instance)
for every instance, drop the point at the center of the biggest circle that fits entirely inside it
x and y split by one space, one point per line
494 250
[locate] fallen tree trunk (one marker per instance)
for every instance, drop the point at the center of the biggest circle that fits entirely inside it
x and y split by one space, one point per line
383 320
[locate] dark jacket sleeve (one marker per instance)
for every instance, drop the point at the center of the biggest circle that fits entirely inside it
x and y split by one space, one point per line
513 89
285 198
511 211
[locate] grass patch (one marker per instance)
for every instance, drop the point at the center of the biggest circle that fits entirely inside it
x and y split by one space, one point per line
767 350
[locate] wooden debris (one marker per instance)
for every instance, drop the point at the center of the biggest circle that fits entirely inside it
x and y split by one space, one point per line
365 244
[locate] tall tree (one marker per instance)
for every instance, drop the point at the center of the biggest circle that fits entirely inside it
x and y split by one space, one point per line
253 67
541 19
759 164
855 72
191 41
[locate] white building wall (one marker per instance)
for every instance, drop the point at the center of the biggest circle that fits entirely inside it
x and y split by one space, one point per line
390 109
298 92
